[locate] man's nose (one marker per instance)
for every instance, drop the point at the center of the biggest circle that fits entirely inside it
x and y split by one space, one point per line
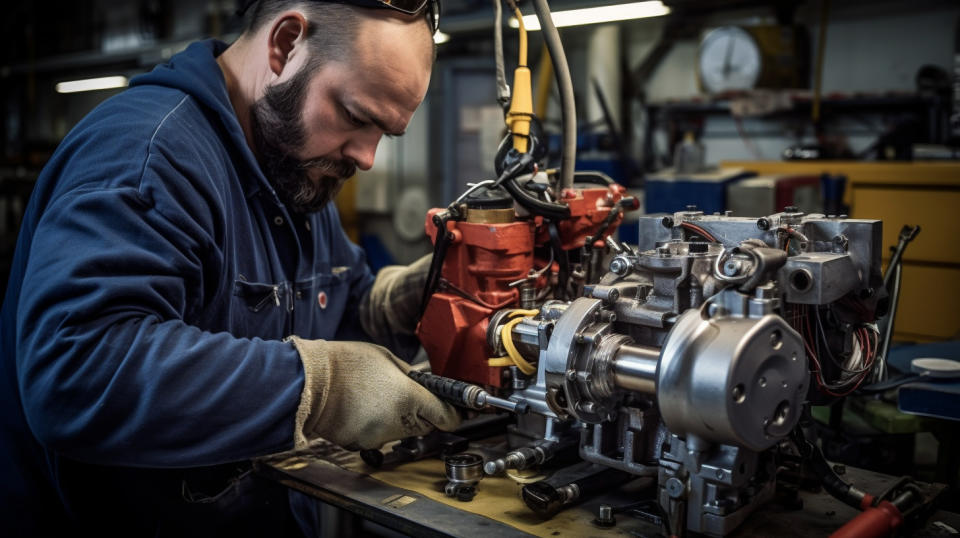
362 150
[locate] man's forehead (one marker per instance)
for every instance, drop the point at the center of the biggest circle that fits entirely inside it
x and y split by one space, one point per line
382 118
394 35
391 66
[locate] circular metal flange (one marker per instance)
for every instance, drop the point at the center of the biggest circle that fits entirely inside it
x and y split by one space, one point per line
569 362
732 380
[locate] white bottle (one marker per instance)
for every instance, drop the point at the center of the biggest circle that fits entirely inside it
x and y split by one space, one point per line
688 158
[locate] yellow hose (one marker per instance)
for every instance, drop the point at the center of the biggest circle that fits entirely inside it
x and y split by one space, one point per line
544 83
513 358
521 105
522 60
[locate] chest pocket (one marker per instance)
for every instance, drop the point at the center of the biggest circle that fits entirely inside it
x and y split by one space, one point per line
320 303
260 310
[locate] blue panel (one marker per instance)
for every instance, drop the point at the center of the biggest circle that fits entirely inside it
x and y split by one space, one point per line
709 195
378 256
930 397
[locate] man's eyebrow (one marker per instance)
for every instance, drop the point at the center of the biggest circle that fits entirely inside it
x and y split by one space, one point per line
376 120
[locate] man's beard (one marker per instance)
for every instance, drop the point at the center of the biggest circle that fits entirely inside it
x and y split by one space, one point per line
279 135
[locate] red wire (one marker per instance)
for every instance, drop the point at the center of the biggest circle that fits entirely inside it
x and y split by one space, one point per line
801 322
706 235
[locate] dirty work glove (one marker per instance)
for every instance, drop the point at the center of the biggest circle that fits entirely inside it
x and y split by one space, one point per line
357 394
390 312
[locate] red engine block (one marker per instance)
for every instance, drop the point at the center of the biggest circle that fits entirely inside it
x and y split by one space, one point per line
482 259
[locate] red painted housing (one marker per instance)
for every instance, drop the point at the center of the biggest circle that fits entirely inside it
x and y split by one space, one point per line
481 261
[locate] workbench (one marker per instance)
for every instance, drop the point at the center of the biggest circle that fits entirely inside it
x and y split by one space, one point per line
409 498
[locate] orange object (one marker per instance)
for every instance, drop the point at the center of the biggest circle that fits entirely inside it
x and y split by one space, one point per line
589 209
485 255
879 520
481 262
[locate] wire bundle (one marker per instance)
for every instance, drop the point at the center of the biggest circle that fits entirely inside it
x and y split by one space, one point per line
855 369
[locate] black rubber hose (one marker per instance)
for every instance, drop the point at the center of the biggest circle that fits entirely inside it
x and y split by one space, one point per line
563 275
831 481
440 244
550 210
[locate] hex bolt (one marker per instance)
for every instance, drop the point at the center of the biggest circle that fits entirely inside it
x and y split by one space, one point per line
605 516
619 266
674 487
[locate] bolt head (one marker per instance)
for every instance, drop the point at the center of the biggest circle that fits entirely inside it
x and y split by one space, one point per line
674 487
605 516
732 267
618 266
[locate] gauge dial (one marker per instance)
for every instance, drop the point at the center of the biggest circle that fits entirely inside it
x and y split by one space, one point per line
729 59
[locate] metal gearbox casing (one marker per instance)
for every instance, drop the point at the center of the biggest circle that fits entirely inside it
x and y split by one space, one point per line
692 359
732 380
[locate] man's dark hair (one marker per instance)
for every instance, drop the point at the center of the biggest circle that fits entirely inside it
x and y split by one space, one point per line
339 23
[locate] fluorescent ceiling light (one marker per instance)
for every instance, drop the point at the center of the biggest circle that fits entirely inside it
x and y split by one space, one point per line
90 84
596 15
440 37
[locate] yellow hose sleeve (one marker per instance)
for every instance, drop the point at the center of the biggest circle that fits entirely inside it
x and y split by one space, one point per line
507 337
521 105
513 358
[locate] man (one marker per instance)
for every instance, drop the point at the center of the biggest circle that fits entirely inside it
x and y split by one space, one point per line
179 233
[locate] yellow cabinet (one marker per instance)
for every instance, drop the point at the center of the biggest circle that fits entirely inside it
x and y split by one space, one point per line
924 193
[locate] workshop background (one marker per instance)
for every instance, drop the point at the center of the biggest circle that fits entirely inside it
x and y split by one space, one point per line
845 109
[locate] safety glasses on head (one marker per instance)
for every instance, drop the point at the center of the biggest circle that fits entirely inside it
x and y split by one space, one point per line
430 8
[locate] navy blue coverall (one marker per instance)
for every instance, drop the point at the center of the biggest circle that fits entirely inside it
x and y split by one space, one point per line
155 275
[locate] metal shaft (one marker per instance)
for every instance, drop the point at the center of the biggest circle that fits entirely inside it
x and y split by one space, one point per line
635 368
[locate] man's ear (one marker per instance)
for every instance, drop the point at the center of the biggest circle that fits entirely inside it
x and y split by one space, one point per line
289 28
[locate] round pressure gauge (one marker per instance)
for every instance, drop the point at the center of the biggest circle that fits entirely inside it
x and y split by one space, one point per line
410 213
729 59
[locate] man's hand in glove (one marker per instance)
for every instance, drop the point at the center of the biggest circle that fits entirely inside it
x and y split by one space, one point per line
390 312
358 395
